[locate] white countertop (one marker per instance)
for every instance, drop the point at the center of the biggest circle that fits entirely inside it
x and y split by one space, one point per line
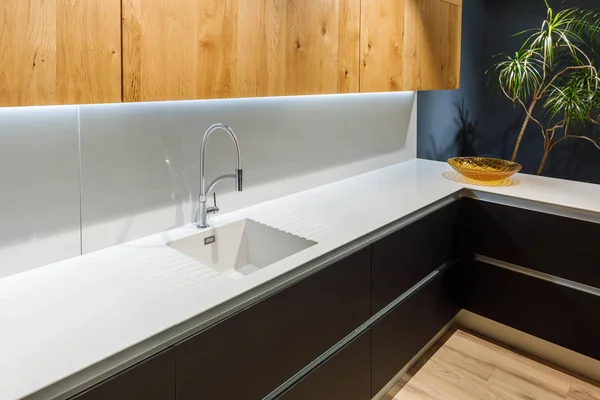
64 318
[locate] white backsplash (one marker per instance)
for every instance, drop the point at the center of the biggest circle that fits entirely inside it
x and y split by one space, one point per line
39 187
139 163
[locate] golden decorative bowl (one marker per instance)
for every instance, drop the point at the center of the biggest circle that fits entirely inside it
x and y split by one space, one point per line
483 168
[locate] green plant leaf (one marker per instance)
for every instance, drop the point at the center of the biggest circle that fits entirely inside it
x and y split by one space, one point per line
519 76
573 97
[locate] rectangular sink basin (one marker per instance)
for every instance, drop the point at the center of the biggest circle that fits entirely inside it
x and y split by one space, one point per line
241 248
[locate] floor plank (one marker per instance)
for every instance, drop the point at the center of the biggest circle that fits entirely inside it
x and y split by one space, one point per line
521 388
511 362
583 392
465 366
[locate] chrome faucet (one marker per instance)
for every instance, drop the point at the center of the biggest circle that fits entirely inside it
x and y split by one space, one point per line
237 176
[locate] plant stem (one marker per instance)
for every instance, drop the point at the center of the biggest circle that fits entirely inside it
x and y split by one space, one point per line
544 159
524 127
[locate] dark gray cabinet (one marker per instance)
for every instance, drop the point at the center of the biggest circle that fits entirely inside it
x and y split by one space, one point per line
345 375
560 246
152 379
407 328
553 312
252 353
404 258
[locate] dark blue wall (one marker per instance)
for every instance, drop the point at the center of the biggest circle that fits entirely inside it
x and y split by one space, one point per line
488 29
439 125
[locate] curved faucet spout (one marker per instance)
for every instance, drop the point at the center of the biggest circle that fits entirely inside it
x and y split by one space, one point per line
237 175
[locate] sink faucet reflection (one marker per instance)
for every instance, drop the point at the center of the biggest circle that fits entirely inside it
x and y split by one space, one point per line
204 191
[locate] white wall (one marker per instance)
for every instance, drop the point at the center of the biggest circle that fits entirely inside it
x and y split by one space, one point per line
139 162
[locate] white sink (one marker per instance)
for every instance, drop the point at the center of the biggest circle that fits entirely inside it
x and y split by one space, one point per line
241 248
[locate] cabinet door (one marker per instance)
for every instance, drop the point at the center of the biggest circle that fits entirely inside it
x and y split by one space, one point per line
410 45
346 375
432 43
560 246
559 314
405 330
60 52
203 49
402 259
252 353
152 379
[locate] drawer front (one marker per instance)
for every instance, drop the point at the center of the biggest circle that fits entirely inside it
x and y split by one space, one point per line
404 258
559 246
555 313
252 353
402 333
346 375
152 379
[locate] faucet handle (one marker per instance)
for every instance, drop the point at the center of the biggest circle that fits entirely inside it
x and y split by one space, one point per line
214 209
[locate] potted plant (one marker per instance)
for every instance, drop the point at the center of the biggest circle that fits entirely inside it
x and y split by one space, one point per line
553 77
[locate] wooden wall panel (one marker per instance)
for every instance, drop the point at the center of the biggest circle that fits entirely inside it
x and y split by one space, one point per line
321 46
349 47
260 67
217 45
160 49
195 49
89 51
382 45
432 45
410 45
59 52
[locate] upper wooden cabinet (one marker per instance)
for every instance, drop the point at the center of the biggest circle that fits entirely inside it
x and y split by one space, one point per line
203 49
101 51
410 45
59 52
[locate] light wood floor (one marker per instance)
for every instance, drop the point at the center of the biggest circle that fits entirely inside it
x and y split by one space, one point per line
463 366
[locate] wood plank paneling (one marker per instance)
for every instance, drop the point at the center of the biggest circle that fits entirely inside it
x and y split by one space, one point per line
432 44
60 52
89 51
160 50
217 44
190 49
261 58
410 45
382 45
455 2
322 46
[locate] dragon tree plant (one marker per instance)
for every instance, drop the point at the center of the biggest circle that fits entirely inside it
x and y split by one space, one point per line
554 79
